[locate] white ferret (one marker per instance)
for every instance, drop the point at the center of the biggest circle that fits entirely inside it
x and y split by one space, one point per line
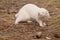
31 11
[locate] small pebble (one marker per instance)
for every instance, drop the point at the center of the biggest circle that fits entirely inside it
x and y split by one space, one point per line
38 35
48 38
57 8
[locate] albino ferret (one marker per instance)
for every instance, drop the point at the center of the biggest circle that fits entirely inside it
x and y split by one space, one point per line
31 11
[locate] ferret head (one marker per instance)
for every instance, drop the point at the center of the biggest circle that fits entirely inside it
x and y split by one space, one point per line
44 14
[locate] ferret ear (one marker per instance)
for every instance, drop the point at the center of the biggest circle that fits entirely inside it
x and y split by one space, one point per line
39 14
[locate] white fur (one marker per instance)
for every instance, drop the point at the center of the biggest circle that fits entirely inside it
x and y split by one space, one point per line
30 11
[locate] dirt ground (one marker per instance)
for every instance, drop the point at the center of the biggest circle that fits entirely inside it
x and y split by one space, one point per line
26 31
